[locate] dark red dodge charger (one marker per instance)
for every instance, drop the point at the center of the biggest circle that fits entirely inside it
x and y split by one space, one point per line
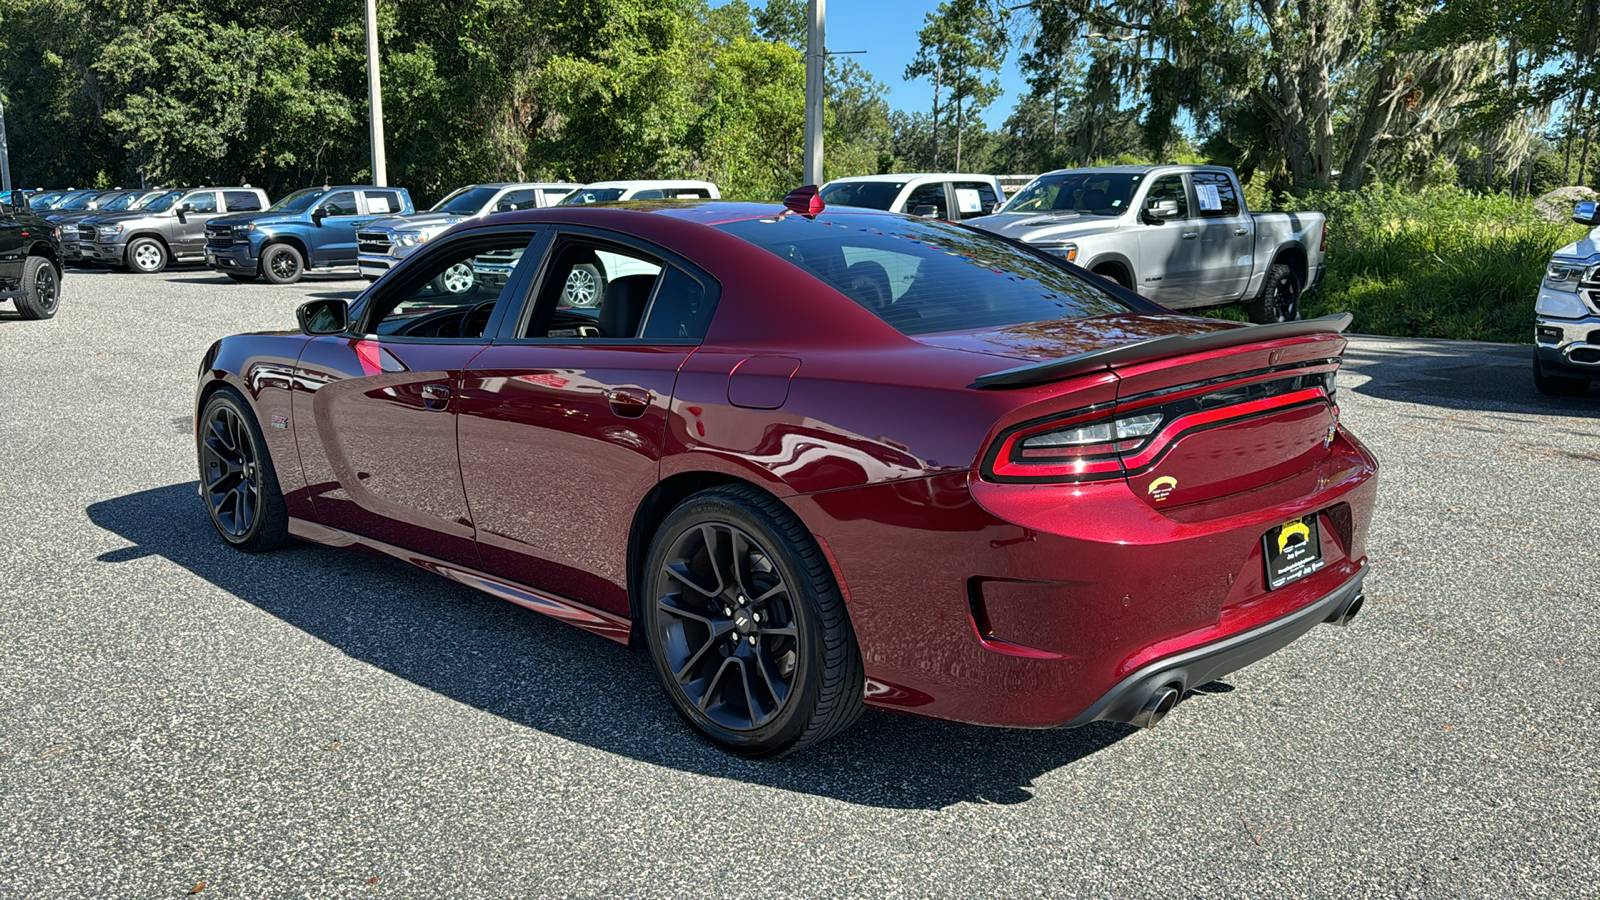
812 462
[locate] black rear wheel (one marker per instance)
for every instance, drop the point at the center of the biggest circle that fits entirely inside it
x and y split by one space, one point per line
237 479
746 626
1279 300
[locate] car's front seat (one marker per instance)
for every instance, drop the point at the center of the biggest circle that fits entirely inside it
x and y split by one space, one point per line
624 305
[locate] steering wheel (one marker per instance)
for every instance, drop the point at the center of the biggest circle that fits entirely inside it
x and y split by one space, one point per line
477 319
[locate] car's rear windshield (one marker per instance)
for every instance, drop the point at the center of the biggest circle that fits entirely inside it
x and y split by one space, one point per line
925 276
867 194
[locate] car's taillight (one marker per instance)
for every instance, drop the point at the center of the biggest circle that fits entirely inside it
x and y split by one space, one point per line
1322 244
1077 448
1096 439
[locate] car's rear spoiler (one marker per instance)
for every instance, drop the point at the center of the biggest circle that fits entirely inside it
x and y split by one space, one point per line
1158 348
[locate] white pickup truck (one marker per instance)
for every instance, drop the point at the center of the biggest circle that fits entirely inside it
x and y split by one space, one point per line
1566 328
1180 235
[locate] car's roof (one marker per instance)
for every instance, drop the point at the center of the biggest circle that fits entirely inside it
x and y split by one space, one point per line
1139 169
910 176
650 183
518 184
695 211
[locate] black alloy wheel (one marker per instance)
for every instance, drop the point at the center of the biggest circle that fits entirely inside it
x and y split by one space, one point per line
1279 300
237 478
746 626
282 264
41 294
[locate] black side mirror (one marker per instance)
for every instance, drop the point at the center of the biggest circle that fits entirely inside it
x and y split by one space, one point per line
318 214
926 211
504 206
1587 212
324 316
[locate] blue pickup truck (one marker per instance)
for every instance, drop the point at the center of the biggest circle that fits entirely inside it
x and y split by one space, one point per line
309 230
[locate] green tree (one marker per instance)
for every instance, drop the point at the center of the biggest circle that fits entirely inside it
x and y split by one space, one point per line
962 45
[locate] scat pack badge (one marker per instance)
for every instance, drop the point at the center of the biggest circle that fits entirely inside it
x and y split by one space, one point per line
280 421
1161 488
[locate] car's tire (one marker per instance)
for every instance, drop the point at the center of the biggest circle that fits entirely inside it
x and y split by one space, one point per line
242 279
1557 385
766 662
237 479
282 264
147 256
1279 300
585 287
41 289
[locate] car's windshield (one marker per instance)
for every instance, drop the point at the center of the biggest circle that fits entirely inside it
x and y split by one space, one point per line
1086 193
924 276
867 194
163 203
79 201
123 202
299 201
592 195
466 201
42 201
143 201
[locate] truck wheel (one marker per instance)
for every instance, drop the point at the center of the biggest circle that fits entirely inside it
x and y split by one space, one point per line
585 287
1279 300
1557 385
41 289
282 264
147 255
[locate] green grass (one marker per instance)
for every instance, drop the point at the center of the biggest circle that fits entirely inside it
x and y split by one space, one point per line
1441 263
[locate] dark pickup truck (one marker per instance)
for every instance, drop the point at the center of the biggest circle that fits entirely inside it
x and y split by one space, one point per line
308 230
30 262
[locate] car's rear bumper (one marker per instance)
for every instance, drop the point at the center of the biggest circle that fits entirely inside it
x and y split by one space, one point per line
1039 606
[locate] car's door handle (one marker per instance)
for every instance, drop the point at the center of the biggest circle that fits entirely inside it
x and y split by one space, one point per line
1190 235
1241 231
629 403
435 396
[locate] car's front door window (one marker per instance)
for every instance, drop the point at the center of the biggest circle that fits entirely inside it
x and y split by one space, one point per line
451 294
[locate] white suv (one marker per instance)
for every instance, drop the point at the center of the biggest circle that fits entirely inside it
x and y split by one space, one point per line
942 196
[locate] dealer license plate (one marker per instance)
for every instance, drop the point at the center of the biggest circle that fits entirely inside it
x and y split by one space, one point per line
1293 550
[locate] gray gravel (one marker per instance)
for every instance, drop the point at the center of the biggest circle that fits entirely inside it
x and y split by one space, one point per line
317 723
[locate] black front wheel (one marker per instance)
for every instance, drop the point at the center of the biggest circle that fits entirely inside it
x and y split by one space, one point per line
282 264
1279 300
747 627
41 289
237 479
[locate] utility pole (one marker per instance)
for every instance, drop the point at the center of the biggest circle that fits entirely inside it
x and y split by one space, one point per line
5 152
380 174
816 63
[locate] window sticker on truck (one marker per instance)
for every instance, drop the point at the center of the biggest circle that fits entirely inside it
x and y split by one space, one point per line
380 204
968 201
1209 198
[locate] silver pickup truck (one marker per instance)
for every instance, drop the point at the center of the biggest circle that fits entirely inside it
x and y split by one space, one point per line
1180 235
1566 328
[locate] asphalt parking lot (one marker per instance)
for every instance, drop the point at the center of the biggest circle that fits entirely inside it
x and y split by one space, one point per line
316 723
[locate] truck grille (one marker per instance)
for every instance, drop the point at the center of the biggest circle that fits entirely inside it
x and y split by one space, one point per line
221 238
86 233
375 243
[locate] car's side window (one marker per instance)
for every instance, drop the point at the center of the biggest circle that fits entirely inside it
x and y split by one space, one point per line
929 195
203 202
526 198
651 194
1169 187
241 201
975 198
680 310
381 202
1215 195
451 294
691 194
341 204
593 290
552 196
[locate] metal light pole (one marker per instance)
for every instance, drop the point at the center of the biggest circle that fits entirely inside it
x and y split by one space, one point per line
5 152
380 174
816 63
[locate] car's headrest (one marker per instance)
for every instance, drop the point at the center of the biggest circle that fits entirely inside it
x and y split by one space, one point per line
623 306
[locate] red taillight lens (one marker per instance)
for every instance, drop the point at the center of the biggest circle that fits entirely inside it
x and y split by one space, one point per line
1073 449
1322 244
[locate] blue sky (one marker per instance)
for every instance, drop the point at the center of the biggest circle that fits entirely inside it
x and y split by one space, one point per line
887 30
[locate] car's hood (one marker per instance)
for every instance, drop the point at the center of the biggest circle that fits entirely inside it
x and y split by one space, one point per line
75 216
1582 249
428 221
113 217
1032 227
259 219
1039 341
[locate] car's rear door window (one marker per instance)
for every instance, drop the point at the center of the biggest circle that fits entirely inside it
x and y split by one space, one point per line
923 276
381 202
241 201
975 198
929 199
1214 194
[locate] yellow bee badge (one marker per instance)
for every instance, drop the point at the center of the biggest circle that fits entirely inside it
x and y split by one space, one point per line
1162 487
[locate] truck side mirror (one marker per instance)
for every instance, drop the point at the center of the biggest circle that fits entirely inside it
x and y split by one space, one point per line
1157 211
318 214
327 316
1587 212
504 206
926 211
